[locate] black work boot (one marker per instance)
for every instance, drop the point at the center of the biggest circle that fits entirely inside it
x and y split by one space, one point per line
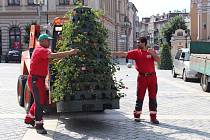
32 123
153 119
29 121
40 129
136 115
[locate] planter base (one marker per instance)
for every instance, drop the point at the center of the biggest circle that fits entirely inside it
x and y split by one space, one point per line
87 105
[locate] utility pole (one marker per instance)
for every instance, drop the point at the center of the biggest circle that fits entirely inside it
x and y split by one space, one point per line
127 25
39 12
47 11
38 3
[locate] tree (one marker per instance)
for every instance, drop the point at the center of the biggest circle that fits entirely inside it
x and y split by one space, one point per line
91 71
165 56
171 26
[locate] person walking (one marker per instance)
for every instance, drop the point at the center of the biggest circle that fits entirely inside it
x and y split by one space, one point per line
36 80
144 63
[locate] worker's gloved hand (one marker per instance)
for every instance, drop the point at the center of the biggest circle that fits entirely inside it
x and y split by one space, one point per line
73 51
151 51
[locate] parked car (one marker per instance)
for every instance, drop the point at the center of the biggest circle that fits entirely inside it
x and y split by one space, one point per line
181 65
13 55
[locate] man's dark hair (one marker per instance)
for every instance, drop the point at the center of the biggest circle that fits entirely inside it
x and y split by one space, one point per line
143 40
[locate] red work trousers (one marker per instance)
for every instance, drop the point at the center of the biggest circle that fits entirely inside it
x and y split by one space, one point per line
143 83
38 89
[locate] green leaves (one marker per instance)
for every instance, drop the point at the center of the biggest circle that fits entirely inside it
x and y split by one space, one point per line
165 57
171 26
92 65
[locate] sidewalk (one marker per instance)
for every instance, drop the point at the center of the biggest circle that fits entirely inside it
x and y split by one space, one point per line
50 124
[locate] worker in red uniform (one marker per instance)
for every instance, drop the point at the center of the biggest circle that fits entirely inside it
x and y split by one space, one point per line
144 64
36 80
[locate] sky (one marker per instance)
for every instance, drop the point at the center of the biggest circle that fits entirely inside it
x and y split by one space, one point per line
146 8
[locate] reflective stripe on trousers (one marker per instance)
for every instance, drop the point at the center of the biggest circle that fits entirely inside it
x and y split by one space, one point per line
37 87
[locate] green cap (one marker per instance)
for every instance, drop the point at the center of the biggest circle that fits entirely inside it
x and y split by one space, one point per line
44 36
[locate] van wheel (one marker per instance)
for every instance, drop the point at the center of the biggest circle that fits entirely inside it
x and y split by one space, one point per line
174 73
184 76
28 98
204 83
20 89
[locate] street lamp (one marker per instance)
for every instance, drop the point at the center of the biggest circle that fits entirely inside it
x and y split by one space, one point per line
47 10
39 4
127 26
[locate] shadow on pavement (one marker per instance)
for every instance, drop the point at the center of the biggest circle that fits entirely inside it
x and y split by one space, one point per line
115 125
183 130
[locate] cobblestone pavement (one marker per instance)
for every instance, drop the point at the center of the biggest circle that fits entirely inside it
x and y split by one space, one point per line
11 122
183 111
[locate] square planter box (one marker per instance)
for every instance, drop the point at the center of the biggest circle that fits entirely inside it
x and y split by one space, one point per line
87 105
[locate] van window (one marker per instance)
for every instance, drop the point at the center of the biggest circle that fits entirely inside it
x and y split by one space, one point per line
178 54
187 56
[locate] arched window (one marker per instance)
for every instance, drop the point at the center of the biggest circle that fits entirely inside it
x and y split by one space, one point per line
14 38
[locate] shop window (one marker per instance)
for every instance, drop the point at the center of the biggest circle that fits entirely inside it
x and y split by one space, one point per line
13 2
14 38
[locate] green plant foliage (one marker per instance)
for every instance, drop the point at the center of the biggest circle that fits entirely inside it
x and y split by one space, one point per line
91 70
165 56
171 26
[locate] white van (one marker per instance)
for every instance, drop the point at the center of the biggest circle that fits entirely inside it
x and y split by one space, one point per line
181 63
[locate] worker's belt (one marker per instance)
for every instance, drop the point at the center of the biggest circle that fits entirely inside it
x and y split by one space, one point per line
37 76
147 73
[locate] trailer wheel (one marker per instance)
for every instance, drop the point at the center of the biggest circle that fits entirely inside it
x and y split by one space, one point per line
204 83
28 98
20 89
174 73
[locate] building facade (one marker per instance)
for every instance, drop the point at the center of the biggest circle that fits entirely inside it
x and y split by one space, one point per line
200 20
133 31
180 39
16 14
151 26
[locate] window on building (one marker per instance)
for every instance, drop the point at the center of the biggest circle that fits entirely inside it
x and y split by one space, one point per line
64 2
204 26
14 38
13 2
30 2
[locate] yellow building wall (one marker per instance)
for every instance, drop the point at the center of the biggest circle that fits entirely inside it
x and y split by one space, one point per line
194 21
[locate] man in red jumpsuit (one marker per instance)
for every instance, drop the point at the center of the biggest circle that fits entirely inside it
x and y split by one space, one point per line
36 80
144 63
